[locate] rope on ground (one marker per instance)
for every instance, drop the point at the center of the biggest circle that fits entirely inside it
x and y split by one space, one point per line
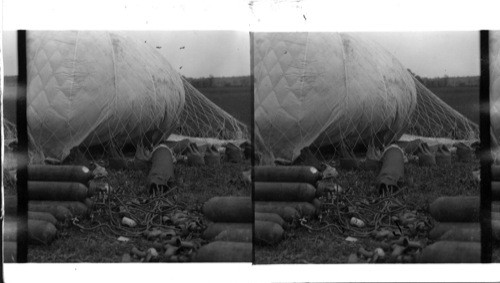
376 212
153 212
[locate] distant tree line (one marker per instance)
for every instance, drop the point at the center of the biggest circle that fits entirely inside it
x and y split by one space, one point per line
211 81
446 81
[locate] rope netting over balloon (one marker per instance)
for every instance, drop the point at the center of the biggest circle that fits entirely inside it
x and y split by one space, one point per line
199 118
431 120
434 118
203 118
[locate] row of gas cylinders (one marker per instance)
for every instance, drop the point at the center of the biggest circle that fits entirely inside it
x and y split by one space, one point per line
56 194
281 194
458 231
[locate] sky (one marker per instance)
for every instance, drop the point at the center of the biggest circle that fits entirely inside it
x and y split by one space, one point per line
191 53
433 54
227 53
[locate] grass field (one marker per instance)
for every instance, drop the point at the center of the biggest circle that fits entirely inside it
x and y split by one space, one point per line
422 185
195 185
236 101
463 99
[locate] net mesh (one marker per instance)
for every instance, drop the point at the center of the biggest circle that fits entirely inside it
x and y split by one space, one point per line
432 120
199 118
203 118
329 92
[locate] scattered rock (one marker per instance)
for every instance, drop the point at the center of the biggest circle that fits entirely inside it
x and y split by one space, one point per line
128 222
123 239
351 239
357 222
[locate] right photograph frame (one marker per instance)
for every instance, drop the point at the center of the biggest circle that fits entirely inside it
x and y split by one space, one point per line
367 148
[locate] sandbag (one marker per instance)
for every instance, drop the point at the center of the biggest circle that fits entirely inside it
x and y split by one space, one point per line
212 156
443 156
274 191
161 177
425 156
392 171
410 147
247 148
233 153
229 209
464 152
194 156
178 147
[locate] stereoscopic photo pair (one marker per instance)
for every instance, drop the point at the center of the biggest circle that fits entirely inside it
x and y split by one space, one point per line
230 146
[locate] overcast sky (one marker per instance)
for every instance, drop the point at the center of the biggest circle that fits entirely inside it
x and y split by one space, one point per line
433 54
227 53
199 53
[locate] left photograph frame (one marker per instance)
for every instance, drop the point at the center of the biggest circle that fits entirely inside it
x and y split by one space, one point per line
136 146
